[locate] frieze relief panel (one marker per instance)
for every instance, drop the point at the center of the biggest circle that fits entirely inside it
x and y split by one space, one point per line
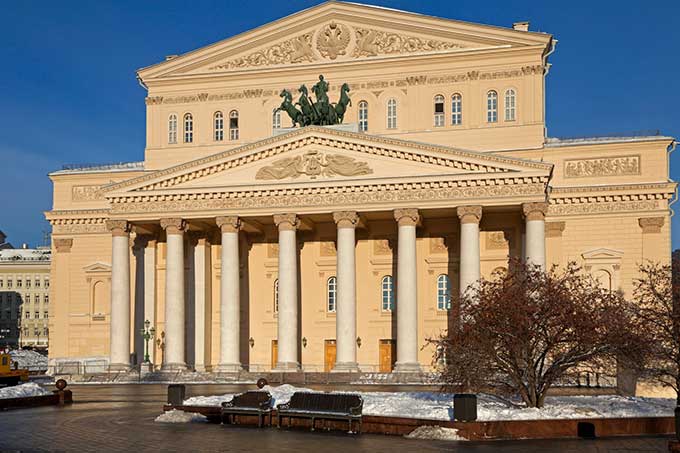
605 166
86 193
497 240
313 164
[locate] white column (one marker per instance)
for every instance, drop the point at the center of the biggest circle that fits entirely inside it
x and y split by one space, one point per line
288 293
469 268
407 292
173 357
201 302
534 216
120 294
230 296
346 311
150 291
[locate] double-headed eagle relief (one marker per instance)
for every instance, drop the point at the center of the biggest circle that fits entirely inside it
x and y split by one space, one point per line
319 113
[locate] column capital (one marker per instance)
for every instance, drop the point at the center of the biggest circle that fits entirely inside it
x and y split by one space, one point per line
63 244
174 225
651 224
286 221
469 214
346 219
406 217
228 224
535 211
118 227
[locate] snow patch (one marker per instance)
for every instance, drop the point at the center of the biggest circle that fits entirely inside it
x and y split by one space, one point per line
23 391
28 360
434 433
175 416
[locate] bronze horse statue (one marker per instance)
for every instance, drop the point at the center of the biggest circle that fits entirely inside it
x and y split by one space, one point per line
320 113
287 105
341 107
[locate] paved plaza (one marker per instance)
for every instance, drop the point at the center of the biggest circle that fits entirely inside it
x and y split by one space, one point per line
109 418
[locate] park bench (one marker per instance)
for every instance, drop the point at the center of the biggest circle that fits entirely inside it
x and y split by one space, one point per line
325 406
248 403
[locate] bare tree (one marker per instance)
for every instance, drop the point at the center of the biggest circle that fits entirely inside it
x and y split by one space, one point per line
521 331
657 312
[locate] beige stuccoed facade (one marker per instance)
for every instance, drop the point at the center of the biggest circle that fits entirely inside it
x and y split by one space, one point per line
249 245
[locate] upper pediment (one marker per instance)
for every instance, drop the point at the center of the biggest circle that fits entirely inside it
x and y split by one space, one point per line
333 32
314 156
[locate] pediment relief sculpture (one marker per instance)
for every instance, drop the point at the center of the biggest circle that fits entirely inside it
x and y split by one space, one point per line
313 164
333 40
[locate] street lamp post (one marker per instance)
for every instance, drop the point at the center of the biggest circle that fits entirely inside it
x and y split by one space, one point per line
147 334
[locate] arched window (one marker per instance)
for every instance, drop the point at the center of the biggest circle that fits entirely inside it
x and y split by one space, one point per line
332 291
218 127
456 110
491 107
510 105
443 292
438 110
233 125
387 293
276 119
276 295
363 116
172 128
188 128
392 114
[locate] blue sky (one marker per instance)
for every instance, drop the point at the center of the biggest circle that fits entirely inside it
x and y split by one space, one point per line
68 92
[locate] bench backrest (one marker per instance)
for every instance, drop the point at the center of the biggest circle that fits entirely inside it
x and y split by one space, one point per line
325 402
251 399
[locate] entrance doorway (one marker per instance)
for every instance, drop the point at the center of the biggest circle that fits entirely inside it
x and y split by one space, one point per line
388 354
329 355
275 353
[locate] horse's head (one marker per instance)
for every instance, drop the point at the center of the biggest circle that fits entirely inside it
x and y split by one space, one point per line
284 94
345 87
303 89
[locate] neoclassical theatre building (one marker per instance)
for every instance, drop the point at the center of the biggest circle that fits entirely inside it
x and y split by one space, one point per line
251 244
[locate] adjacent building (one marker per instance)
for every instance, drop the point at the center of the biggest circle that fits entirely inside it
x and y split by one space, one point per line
249 243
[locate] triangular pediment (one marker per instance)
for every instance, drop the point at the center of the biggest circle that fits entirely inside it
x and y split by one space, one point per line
97 267
317 156
602 254
336 32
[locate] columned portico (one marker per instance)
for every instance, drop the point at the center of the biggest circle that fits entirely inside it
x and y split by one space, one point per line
469 267
534 216
407 291
346 322
230 298
174 358
120 294
287 360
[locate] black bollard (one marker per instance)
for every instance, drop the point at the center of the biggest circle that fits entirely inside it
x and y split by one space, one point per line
176 394
465 407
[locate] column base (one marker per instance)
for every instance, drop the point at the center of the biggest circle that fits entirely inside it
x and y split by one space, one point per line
118 367
287 367
228 368
346 367
174 367
406 367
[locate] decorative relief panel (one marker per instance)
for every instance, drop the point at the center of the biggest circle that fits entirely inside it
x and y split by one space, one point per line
295 50
314 164
605 166
272 250
441 244
374 42
327 248
601 208
332 40
382 247
86 193
497 240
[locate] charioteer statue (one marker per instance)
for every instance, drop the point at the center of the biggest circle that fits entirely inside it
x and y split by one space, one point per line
319 113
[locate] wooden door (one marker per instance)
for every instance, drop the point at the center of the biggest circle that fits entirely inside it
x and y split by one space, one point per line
275 353
388 354
329 355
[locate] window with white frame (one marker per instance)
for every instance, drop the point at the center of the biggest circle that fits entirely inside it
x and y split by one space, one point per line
276 295
387 293
443 292
47 283
172 128
233 125
218 126
276 119
46 298
332 294
491 107
392 113
510 105
438 110
363 116
188 128
456 110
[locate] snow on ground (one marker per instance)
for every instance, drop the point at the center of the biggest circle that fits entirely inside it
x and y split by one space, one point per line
30 360
175 416
434 433
22 391
439 406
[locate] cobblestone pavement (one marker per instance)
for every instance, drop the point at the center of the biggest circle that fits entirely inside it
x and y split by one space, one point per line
120 418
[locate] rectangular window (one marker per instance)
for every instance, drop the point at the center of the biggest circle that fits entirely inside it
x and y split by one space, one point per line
37 283
392 114
46 315
28 283
47 298
28 315
456 110
2 283
36 298
9 284
19 283
37 315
